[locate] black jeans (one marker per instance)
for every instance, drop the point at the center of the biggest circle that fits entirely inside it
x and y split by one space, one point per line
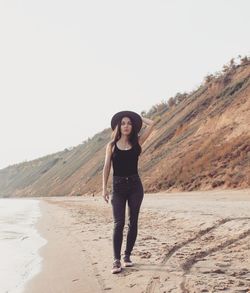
126 189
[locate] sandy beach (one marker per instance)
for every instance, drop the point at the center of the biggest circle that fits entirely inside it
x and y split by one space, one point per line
187 242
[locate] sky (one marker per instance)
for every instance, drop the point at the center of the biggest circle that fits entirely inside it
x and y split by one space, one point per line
66 67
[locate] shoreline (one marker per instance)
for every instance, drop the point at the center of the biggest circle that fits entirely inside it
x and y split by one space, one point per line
60 270
19 234
186 241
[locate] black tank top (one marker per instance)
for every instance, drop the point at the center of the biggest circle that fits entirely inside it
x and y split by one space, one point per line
125 162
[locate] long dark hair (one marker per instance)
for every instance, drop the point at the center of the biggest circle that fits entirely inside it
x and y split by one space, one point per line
133 137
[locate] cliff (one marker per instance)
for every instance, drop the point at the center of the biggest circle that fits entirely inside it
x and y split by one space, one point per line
201 141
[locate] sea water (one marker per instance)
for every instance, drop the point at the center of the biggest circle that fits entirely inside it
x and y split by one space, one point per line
19 243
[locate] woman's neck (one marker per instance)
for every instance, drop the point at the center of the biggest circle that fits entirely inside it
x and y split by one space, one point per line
124 139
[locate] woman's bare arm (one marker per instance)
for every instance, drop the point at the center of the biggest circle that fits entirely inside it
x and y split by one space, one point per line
106 171
146 132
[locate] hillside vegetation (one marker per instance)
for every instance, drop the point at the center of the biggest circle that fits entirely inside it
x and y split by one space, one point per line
201 141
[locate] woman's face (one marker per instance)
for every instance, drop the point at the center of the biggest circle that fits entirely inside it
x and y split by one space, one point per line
126 126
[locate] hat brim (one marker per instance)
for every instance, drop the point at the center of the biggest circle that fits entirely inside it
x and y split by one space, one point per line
137 120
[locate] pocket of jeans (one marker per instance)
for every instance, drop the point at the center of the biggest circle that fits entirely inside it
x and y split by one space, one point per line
118 181
118 184
137 185
136 181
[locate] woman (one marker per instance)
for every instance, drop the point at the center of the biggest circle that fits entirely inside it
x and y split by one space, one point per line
123 152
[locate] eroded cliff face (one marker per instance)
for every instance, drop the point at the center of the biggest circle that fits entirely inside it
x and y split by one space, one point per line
200 143
204 142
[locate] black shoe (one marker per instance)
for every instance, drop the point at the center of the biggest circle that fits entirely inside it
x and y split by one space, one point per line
127 261
117 267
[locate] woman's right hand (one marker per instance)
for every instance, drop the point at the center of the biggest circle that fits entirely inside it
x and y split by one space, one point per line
105 194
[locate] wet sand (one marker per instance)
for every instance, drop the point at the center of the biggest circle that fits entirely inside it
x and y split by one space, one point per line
187 242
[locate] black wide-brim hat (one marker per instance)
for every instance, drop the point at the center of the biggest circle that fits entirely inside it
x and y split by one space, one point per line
136 119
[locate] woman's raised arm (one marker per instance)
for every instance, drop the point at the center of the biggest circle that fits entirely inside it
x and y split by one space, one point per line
146 132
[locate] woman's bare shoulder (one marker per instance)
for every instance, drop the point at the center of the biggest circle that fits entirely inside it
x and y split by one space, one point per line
110 145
